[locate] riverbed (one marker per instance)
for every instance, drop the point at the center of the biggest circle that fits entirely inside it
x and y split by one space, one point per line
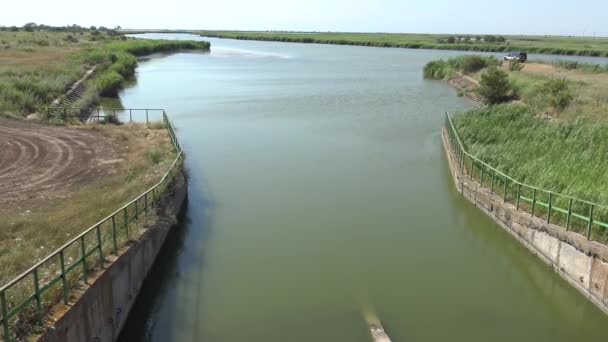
319 193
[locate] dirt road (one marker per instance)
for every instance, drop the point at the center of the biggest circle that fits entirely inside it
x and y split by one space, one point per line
40 162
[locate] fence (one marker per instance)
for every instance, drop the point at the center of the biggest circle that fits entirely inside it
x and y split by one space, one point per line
52 279
104 114
582 216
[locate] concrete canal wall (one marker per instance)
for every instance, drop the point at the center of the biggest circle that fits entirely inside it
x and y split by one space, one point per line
100 309
583 263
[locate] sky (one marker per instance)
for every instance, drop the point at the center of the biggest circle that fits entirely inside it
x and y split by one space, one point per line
537 17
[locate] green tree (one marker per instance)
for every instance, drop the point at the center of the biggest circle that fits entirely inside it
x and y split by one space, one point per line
29 27
557 93
494 86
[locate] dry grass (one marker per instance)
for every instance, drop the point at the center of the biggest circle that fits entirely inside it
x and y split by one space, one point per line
28 237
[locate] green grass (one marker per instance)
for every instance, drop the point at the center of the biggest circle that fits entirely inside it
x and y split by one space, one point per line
531 44
37 67
567 157
442 69
588 67
561 90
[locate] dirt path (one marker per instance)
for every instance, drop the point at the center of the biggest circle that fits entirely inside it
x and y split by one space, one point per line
40 162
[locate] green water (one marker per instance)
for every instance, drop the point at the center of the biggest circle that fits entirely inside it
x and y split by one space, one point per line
318 190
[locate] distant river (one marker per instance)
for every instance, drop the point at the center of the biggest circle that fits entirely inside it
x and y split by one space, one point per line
319 191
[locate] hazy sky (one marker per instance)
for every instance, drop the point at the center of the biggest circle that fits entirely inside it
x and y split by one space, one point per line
555 17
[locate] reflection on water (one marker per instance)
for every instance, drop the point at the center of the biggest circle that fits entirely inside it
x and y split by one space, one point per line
318 192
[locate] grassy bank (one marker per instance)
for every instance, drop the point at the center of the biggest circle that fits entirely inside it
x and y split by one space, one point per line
561 90
567 157
551 133
531 44
37 67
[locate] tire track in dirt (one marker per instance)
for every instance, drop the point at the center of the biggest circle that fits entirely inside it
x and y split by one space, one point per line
40 162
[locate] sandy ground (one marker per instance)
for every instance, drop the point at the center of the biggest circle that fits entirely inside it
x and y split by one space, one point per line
41 162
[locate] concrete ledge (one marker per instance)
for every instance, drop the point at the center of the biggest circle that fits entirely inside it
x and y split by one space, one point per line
583 263
98 311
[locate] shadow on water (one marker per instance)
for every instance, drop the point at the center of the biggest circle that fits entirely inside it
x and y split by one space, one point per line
151 316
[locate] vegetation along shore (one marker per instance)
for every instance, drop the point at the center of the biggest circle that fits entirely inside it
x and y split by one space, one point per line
60 179
579 46
546 124
39 63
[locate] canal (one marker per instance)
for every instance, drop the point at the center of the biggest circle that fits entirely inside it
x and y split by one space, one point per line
319 192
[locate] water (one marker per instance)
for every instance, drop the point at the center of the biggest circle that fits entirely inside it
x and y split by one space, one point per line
319 191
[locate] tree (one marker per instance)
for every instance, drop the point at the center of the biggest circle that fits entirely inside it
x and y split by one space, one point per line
92 28
494 86
451 40
29 27
489 39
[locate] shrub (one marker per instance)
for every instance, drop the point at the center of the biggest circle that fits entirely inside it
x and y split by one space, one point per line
109 83
472 63
515 65
436 70
124 64
557 93
155 156
494 86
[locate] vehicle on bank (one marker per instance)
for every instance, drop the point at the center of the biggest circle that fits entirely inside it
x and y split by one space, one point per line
516 56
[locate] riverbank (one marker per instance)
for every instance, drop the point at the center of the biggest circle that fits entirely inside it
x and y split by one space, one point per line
582 263
572 46
550 134
562 91
39 67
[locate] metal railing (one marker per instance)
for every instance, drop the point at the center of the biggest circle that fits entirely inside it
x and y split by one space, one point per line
27 299
572 213
102 114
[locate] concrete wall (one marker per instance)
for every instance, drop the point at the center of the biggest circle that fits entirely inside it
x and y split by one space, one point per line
100 309
583 263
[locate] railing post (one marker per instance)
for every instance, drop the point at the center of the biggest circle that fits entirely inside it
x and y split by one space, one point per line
471 172
589 225
153 196
130 115
518 195
550 205
462 163
146 202
64 280
481 176
569 215
98 231
83 251
126 222
5 325
136 210
147 117
37 296
114 235
493 181
533 201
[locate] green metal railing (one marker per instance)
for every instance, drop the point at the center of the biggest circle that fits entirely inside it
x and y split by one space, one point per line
26 300
572 213
102 114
